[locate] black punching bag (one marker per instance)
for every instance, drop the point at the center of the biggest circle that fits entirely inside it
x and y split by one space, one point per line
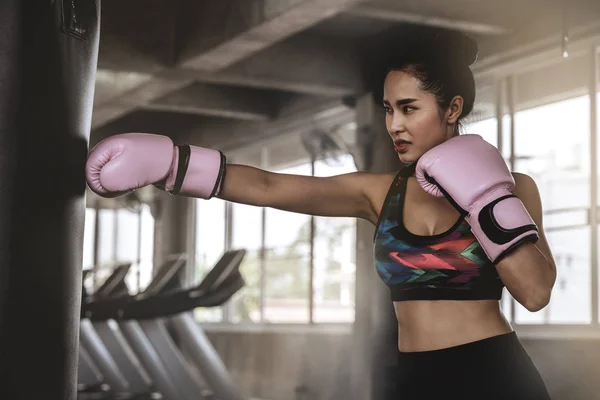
48 59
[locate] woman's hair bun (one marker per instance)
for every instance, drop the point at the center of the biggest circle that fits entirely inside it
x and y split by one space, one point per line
437 45
457 45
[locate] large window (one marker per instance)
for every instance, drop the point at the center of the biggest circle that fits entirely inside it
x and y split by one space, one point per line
277 268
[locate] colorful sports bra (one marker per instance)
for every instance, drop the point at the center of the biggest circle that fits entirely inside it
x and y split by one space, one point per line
447 266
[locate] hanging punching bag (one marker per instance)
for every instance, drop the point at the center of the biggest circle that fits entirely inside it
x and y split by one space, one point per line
48 59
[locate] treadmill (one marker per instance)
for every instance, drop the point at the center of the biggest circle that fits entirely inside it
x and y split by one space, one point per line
89 377
104 346
143 320
129 365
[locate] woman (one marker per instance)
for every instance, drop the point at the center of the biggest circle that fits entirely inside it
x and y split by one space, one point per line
453 228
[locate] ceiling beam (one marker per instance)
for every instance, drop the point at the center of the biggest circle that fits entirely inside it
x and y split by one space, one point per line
301 114
219 101
387 14
235 36
328 68
114 107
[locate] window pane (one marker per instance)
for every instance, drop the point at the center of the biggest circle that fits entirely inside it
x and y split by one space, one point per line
127 235
334 257
210 234
287 262
335 270
146 266
287 280
245 304
106 242
505 304
128 240
598 132
487 129
246 226
88 247
598 191
552 146
210 245
88 238
247 234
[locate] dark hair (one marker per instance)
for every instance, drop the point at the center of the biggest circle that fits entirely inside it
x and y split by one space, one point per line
439 59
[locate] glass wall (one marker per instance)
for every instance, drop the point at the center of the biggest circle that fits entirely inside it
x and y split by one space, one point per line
552 146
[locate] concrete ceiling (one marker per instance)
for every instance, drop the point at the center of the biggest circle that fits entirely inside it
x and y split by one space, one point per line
227 72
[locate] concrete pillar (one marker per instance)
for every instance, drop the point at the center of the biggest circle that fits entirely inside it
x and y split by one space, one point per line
173 220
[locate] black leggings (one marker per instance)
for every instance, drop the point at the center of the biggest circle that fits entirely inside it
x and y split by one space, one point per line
492 368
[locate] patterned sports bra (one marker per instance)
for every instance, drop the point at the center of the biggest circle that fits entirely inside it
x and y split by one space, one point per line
447 266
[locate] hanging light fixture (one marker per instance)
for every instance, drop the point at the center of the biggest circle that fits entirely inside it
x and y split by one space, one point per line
565 31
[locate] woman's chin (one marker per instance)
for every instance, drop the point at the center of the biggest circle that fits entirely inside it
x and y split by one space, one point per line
406 158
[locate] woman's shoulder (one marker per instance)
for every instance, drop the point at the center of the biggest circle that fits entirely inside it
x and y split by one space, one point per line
380 184
386 178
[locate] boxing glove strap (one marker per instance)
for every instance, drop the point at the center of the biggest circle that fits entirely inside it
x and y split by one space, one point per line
492 228
221 178
502 225
182 167
532 238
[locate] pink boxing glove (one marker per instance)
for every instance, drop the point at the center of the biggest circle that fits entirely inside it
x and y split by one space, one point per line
122 163
472 174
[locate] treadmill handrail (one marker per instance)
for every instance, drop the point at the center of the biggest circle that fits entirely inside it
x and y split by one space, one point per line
181 302
114 280
165 273
175 303
219 276
118 276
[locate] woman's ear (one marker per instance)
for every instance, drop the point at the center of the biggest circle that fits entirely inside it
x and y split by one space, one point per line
455 109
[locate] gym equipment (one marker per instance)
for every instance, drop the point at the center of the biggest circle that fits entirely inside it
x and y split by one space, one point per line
89 377
116 359
48 59
151 340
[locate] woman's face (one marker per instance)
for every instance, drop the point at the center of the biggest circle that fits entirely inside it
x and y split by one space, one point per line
413 118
